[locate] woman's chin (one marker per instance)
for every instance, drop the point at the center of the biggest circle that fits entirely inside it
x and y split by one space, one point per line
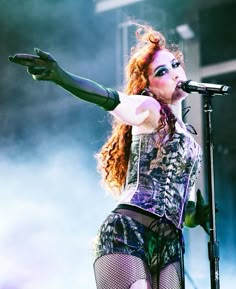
179 95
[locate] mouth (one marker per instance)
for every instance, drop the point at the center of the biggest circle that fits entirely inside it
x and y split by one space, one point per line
179 84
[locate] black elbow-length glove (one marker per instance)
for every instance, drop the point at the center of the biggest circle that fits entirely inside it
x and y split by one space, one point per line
43 66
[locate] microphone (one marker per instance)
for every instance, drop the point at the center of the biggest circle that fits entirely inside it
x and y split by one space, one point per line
193 86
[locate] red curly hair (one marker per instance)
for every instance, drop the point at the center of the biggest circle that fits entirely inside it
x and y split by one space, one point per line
114 155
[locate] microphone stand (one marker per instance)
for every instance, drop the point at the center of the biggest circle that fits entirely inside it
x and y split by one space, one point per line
213 244
208 90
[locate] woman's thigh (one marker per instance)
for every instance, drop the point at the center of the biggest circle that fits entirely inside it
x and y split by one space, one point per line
121 271
171 277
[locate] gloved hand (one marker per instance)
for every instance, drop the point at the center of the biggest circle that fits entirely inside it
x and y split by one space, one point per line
41 66
197 214
202 212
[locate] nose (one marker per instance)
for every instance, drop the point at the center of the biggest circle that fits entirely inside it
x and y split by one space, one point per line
174 75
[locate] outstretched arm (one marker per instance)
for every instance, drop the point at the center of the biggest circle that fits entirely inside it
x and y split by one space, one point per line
133 110
43 66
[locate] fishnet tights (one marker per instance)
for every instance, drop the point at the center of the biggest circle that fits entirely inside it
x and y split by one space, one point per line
120 271
170 277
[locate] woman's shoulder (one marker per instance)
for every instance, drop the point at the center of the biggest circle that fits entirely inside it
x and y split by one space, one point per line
135 110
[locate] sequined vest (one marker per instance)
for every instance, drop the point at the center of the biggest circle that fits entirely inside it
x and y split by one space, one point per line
161 173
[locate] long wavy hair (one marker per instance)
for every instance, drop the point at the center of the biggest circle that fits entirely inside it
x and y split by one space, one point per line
114 155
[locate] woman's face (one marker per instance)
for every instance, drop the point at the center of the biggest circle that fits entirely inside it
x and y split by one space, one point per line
164 73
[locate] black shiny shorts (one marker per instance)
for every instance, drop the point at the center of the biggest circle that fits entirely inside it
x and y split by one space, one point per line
155 240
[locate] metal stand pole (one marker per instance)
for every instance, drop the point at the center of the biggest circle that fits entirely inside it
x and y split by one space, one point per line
213 244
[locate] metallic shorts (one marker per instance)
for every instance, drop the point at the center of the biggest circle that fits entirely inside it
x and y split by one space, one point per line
155 240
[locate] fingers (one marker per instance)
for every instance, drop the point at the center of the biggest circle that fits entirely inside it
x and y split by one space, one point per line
41 66
203 211
204 218
24 59
31 60
43 76
39 73
44 55
206 228
36 70
200 199
206 212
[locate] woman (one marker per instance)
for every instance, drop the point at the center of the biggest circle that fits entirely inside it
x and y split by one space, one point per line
150 160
